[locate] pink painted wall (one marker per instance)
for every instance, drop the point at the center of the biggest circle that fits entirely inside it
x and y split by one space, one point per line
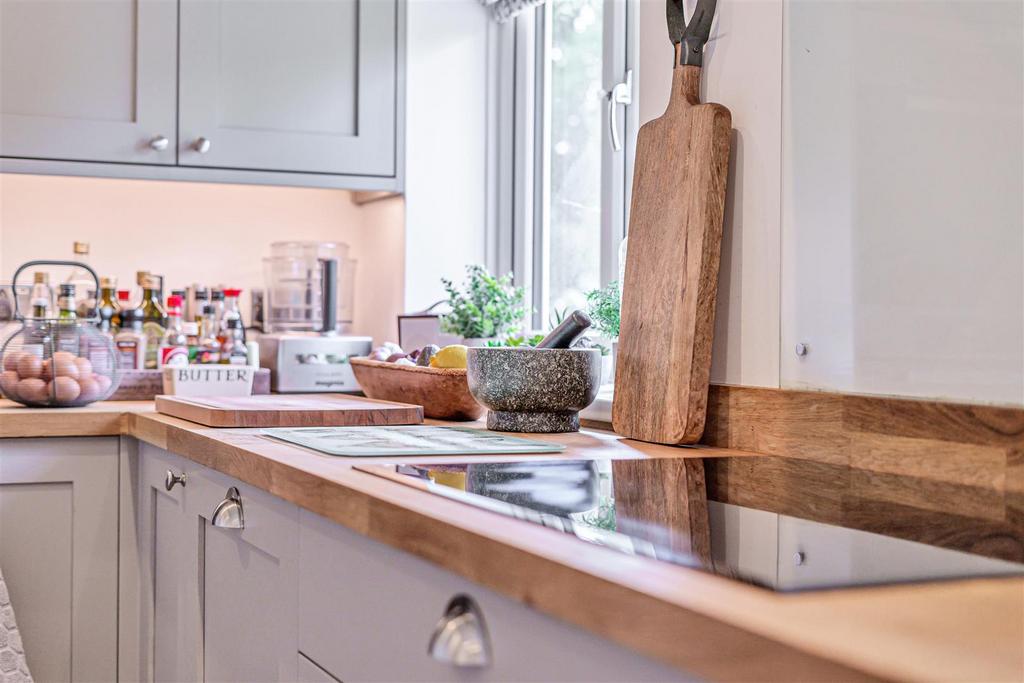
203 232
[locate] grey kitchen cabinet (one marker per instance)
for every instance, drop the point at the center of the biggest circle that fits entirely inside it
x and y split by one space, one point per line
367 613
225 600
166 652
89 80
59 553
289 86
265 91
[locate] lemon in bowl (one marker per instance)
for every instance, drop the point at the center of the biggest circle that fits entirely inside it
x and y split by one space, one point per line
453 356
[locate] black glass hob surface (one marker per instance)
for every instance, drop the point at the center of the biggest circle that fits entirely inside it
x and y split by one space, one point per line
779 523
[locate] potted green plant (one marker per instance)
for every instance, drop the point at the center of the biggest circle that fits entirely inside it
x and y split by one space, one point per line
484 307
604 306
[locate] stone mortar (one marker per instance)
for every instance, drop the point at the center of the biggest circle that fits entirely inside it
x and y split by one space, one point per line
534 390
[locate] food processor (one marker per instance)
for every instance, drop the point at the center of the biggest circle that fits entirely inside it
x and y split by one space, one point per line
306 304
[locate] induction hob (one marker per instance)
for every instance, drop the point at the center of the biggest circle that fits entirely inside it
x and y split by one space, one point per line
779 523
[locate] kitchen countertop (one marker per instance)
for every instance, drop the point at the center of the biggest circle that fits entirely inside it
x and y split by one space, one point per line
703 624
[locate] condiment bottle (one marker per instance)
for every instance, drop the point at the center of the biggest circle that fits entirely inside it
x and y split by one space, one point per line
67 326
122 305
202 297
231 312
217 299
173 349
108 305
191 329
209 347
42 294
130 342
153 317
233 350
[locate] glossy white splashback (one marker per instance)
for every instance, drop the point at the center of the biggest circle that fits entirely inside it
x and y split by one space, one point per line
903 175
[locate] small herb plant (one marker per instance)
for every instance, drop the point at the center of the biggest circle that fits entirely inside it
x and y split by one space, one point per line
604 306
517 341
486 306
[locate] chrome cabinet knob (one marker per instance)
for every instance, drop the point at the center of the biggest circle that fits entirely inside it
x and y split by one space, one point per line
229 514
460 637
159 143
171 479
201 145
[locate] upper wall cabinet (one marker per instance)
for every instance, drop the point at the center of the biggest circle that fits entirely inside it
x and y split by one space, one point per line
90 80
290 86
269 91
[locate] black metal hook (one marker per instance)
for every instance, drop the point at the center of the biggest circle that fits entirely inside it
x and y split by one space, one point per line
693 35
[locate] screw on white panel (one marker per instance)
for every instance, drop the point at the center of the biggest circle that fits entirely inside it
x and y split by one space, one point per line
802 348
799 558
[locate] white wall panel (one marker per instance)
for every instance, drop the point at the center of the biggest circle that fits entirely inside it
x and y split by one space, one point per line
743 71
903 229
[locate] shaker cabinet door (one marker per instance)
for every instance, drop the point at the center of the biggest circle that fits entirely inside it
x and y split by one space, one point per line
242 580
58 551
88 80
278 85
167 654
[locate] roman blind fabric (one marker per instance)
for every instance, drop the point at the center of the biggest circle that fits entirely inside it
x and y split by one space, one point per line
503 10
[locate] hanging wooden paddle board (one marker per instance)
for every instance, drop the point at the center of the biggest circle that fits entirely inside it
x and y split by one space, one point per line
671 278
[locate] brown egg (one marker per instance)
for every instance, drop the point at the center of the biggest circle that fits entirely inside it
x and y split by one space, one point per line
11 359
84 366
103 383
9 384
33 390
90 389
67 389
30 366
63 365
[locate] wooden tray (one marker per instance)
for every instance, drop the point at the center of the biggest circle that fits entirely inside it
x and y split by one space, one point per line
295 410
443 392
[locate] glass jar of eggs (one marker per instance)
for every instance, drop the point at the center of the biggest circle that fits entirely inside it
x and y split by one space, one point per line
57 360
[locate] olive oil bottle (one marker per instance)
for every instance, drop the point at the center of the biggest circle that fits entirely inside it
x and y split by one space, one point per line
154 317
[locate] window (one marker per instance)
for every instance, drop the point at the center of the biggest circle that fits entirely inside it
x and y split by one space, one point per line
573 85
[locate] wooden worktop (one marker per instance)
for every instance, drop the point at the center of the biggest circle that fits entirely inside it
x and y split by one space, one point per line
703 624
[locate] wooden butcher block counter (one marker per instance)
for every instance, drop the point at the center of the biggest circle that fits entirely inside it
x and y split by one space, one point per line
703 624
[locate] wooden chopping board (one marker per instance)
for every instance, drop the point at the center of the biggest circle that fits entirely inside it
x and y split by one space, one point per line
671 278
292 410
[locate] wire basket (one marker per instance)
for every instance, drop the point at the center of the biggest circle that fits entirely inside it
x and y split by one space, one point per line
57 362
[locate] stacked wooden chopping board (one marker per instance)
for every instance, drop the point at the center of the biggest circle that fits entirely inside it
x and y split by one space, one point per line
292 410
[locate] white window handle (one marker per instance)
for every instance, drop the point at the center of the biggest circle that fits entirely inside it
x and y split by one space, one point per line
622 93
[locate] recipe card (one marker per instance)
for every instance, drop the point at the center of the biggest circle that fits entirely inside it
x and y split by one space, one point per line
408 440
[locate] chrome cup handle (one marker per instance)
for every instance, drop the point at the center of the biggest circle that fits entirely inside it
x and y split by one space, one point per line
460 637
229 514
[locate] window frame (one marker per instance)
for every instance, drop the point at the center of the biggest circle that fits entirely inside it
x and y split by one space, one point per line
517 228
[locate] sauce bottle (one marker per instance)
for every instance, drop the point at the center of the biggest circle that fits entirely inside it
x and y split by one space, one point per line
209 348
173 349
130 342
233 350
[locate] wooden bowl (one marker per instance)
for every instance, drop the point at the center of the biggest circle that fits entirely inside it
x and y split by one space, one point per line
443 392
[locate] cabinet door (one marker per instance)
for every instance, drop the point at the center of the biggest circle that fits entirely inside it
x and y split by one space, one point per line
367 612
167 654
288 86
58 549
88 80
243 582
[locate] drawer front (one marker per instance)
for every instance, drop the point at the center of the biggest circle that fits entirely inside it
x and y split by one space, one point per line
367 611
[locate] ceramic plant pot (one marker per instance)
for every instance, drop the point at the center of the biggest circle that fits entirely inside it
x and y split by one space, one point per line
534 390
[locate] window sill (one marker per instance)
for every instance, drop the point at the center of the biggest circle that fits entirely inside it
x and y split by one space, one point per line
601 409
